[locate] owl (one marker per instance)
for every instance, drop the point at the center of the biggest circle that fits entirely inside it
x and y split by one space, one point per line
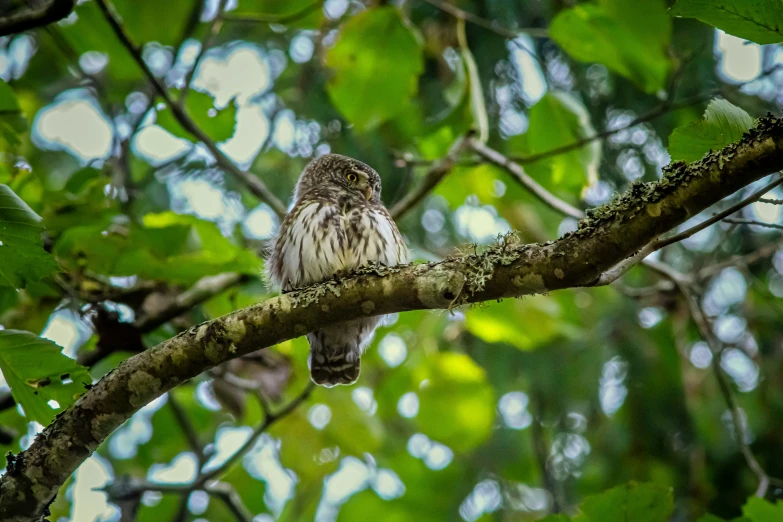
337 224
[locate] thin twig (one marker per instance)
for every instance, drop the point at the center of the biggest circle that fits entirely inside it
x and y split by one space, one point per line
505 32
258 18
257 187
662 109
269 419
736 418
523 179
754 223
187 428
771 201
741 260
434 175
621 268
231 499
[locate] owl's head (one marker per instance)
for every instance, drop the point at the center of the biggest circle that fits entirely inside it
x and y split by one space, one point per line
342 173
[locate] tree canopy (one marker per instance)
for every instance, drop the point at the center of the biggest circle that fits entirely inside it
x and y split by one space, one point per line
589 329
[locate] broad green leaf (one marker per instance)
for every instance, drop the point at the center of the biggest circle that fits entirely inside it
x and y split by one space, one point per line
555 518
291 13
38 372
22 257
12 122
633 501
630 37
162 22
559 120
723 124
170 247
217 123
759 510
760 21
457 403
376 61
503 322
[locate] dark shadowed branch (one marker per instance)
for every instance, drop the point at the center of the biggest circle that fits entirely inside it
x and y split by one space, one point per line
16 17
508 269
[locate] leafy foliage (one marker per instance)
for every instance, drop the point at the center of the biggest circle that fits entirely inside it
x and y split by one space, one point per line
723 123
38 373
760 21
628 37
600 404
22 257
376 63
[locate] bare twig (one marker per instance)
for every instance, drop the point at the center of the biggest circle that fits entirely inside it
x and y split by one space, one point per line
742 260
434 175
753 222
771 201
505 32
257 187
737 422
523 179
187 428
231 499
621 268
129 487
269 419
663 108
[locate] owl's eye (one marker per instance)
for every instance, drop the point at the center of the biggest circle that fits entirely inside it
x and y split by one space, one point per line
353 178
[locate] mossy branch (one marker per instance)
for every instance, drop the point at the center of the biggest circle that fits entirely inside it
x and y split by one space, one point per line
607 236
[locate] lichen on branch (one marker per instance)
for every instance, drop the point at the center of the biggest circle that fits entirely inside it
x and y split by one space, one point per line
604 238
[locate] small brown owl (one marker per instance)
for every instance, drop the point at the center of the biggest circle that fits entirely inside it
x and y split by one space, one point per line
337 224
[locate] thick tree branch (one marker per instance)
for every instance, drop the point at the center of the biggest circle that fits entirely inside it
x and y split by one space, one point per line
21 16
607 236
257 187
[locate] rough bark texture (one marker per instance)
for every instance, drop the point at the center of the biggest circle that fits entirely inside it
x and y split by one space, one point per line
18 16
607 236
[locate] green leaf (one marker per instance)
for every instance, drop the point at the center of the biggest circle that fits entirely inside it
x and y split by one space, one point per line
377 61
169 247
12 121
500 323
760 21
723 124
457 403
161 22
557 120
218 124
291 13
38 372
630 37
22 257
759 510
555 518
632 501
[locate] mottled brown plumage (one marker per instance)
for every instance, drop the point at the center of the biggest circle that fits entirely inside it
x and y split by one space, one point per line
337 224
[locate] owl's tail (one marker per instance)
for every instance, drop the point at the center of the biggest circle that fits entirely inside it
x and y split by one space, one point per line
332 372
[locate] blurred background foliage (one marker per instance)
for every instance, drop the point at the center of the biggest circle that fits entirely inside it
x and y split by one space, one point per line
509 411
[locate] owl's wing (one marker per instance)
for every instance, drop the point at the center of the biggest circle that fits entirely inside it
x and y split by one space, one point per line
392 249
310 246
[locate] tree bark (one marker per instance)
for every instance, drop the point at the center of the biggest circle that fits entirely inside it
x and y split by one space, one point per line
607 236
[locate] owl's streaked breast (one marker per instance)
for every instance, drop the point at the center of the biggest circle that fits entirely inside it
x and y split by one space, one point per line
319 239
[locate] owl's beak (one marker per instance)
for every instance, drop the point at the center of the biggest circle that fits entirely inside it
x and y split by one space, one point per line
368 192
